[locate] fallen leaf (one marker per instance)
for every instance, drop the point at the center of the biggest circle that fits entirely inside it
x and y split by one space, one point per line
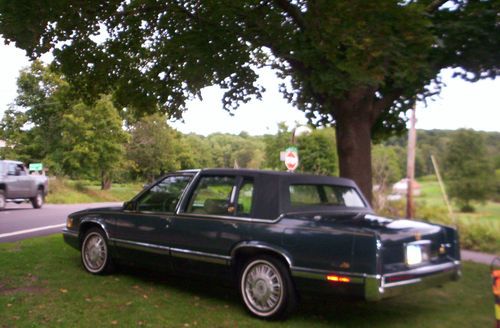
186 325
114 322
88 299
145 296
63 290
9 305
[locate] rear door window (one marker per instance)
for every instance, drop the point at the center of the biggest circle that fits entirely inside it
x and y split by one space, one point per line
304 195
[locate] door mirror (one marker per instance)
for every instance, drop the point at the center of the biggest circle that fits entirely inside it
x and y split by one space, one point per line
130 206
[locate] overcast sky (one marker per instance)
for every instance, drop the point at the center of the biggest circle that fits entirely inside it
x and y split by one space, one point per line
460 104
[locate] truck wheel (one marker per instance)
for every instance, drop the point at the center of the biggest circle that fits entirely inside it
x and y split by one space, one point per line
2 199
37 201
267 289
95 253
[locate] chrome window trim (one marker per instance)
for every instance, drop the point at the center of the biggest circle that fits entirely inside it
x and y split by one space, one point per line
227 217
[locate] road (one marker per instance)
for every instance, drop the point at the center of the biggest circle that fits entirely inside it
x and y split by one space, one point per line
21 221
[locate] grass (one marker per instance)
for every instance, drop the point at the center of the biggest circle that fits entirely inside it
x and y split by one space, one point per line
42 284
63 191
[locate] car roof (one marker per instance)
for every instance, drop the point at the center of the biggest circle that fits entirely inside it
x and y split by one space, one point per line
292 176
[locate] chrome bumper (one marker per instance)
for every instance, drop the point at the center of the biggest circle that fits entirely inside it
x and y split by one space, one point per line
381 286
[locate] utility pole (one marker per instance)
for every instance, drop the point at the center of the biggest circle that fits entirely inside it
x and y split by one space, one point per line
410 165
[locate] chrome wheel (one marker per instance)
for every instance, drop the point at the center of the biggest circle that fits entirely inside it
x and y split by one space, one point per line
94 252
262 288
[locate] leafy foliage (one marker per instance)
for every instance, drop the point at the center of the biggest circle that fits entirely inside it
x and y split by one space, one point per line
357 64
468 172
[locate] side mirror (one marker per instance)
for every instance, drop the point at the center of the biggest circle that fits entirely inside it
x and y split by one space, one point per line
130 206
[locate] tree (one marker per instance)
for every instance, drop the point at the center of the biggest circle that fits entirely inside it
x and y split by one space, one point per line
468 172
50 124
355 64
317 152
92 141
152 147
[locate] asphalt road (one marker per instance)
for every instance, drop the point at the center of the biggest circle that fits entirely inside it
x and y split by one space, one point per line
21 221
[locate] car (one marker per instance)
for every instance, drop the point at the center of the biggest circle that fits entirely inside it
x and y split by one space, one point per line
275 234
17 185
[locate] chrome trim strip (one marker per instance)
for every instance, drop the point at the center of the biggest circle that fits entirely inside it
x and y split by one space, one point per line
261 246
200 256
426 269
96 221
301 272
158 249
402 283
175 252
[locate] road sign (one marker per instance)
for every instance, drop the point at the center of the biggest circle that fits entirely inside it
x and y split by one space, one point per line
36 167
291 158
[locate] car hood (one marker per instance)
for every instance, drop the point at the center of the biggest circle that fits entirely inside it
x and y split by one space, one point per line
98 210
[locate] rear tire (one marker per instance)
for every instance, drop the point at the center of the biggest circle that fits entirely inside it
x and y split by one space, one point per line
95 253
38 200
266 288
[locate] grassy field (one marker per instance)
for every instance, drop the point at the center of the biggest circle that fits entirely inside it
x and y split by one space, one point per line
431 195
63 191
42 284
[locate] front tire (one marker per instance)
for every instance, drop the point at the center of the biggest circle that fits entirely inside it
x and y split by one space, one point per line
37 201
95 253
2 199
267 289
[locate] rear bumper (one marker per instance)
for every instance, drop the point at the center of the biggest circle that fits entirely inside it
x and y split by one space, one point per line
385 286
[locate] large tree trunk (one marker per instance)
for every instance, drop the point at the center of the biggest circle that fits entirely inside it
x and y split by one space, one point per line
105 181
354 150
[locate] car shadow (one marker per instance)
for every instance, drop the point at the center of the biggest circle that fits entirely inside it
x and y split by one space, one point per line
313 309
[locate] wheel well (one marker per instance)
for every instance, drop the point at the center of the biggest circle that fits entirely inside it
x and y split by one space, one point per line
244 254
86 226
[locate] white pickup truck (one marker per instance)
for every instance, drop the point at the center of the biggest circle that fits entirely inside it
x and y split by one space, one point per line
17 185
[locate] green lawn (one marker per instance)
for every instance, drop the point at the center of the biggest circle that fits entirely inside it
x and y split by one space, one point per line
42 284
64 191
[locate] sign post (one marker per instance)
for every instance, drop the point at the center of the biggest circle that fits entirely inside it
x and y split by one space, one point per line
291 158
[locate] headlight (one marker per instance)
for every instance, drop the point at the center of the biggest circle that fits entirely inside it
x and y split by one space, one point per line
69 222
417 252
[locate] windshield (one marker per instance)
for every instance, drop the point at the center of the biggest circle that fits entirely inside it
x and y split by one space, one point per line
305 195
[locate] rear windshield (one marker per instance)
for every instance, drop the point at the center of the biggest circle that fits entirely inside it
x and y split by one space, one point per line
305 195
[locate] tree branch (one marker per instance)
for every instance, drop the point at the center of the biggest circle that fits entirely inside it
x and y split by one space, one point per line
293 11
381 104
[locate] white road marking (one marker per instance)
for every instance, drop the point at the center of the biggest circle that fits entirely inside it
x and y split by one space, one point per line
20 232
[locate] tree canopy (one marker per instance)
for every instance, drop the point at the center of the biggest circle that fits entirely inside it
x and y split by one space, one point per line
356 64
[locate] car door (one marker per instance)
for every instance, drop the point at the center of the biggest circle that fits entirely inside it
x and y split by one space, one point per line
213 219
13 181
142 230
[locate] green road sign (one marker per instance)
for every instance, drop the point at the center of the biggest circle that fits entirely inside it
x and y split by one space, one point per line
36 167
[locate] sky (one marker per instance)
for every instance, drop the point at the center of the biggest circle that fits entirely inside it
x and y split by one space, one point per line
460 105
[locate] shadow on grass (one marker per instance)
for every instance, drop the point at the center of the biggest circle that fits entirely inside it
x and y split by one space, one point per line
313 309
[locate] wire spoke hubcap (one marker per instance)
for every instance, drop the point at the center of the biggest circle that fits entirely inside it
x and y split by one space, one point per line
263 287
95 252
